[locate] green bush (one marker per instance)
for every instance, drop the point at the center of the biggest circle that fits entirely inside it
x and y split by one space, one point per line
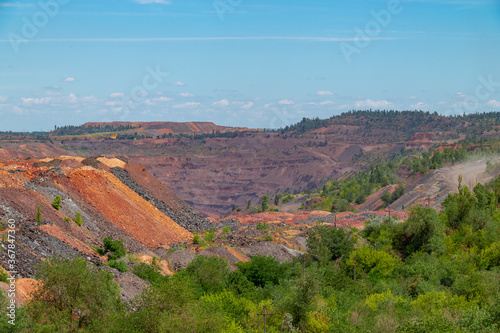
262 226
226 229
119 265
78 218
114 248
57 202
196 238
150 273
209 273
263 270
4 276
209 236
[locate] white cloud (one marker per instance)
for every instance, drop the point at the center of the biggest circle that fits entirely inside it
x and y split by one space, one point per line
368 103
412 97
186 95
72 98
221 103
89 99
69 79
186 105
286 102
178 83
493 103
321 103
56 87
161 99
247 106
3 98
418 106
148 2
36 101
116 95
324 93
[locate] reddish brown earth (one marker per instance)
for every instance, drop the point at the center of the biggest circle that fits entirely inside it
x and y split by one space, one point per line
110 208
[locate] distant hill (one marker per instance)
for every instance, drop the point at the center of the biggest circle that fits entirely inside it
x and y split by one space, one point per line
153 129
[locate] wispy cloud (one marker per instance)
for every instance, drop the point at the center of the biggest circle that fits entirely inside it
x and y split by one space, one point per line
116 95
186 105
324 93
368 103
221 103
69 79
286 102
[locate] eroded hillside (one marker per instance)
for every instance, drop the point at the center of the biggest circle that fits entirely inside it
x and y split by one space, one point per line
116 199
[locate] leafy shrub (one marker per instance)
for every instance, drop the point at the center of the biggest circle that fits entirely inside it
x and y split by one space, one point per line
209 236
263 270
115 248
4 276
119 265
196 238
288 197
57 202
226 229
148 273
262 226
268 237
78 218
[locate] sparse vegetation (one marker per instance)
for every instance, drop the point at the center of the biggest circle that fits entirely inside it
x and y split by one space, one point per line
262 226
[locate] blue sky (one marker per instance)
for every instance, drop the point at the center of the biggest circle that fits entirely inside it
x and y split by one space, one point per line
243 62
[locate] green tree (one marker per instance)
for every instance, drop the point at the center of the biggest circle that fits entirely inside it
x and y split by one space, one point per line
457 206
57 202
115 248
38 217
263 270
209 273
416 232
329 243
265 203
72 297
